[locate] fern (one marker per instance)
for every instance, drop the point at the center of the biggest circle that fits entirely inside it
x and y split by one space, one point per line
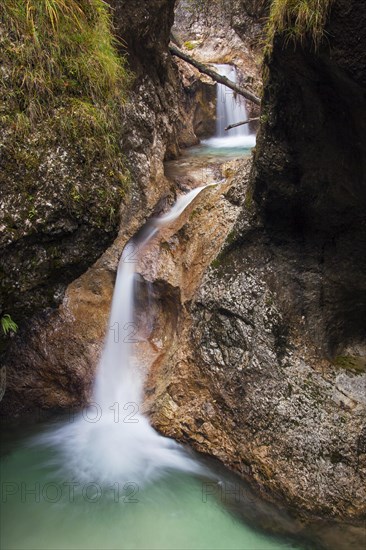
8 325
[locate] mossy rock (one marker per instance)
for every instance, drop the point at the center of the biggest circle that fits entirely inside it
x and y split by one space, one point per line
353 363
63 173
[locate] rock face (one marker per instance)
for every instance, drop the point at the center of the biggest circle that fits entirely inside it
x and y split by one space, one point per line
59 196
245 382
269 373
259 359
51 361
197 105
223 32
309 177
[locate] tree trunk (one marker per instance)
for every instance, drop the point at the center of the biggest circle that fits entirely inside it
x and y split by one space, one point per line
214 75
241 123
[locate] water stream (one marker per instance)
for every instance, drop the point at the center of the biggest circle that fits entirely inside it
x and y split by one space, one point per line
106 479
135 450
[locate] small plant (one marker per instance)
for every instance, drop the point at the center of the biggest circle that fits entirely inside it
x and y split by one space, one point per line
189 45
8 325
75 195
216 263
32 213
112 212
248 199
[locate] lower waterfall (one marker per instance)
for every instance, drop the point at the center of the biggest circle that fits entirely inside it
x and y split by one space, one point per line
111 441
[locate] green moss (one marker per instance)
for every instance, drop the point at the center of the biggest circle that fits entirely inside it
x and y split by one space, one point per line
29 159
351 363
269 300
248 202
189 45
32 213
75 195
231 237
216 263
297 20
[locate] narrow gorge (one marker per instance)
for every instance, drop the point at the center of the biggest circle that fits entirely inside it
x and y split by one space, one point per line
182 297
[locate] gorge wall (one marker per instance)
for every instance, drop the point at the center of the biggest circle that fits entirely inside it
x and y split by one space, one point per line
50 362
269 372
260 291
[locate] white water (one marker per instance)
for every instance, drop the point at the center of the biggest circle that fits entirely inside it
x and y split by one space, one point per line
230 108
111 441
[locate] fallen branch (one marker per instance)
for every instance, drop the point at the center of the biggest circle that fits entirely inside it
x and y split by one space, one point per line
214 75
241 123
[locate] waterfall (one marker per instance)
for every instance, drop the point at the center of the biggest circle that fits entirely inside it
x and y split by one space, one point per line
112 441
230 108
117 379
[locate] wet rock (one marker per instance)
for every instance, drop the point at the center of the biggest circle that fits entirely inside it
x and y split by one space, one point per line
244 363
67 234
272 346
223 32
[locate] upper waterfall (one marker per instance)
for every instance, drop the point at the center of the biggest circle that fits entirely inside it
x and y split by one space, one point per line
230 108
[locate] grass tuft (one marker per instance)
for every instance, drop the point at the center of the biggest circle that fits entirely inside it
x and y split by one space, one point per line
298 20
62 68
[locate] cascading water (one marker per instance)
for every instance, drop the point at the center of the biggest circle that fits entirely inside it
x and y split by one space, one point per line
112 441
230 108
86 484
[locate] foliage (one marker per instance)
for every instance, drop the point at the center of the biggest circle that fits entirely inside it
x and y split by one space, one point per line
61 66
189 45
298 20
7 324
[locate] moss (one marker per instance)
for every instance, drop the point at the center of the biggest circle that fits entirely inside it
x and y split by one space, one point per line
231 237
165 245
351 363
248 202
189 45
218 261
74 194
297 20
269 300
32 213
